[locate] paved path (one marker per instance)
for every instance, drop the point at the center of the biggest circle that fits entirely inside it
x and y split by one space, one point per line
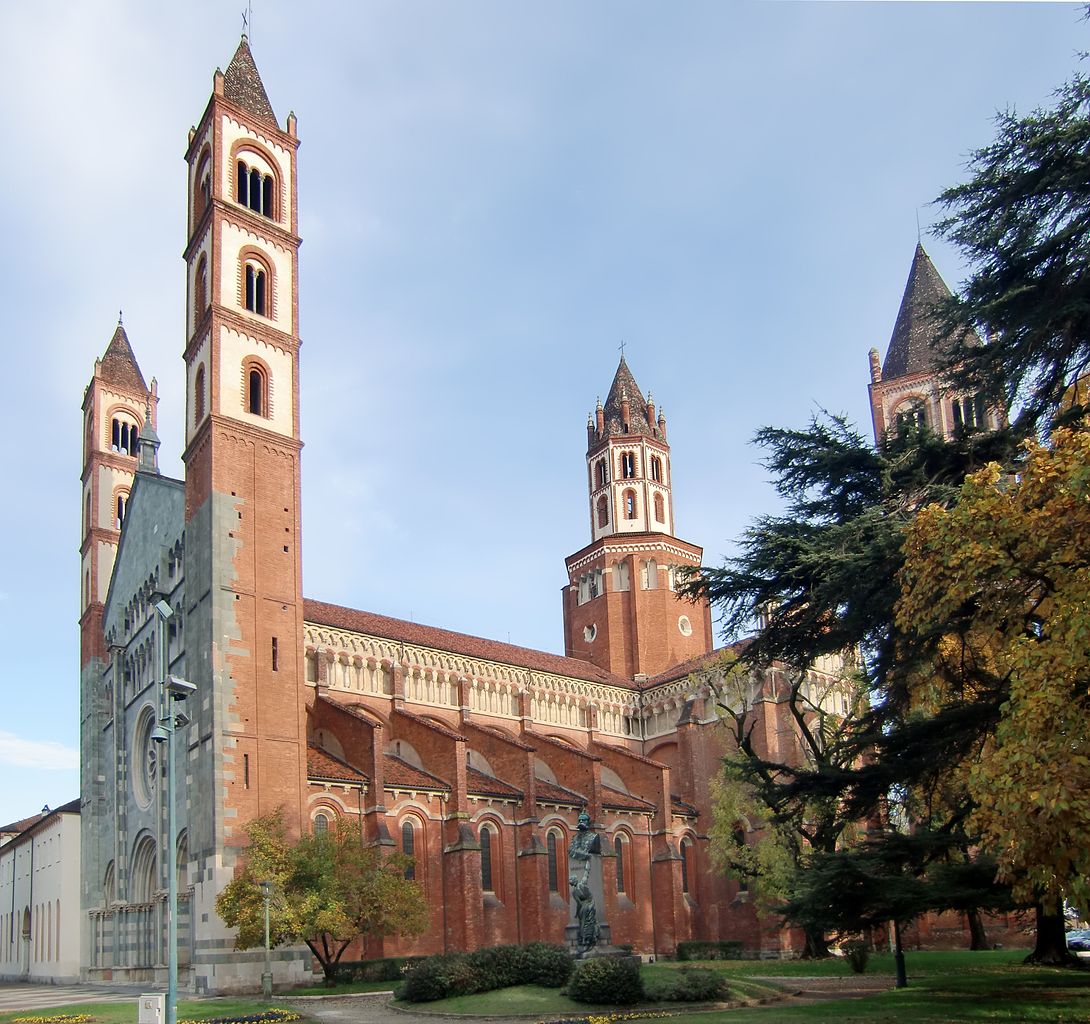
17 995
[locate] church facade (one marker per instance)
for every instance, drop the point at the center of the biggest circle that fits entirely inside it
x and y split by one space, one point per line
473 756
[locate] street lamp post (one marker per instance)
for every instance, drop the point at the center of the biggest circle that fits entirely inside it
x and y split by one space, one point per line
266 977
171 689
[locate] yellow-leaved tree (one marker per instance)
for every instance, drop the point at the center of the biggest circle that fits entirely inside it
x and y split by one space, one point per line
1000 582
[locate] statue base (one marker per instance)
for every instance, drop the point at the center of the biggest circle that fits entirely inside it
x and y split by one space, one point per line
603 947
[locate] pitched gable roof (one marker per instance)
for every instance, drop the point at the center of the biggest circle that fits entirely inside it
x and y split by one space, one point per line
118 364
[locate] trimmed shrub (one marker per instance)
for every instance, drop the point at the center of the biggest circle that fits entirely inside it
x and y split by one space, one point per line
496 967
688 985
437 977
858 953
728 949
546 965
610 981
391 968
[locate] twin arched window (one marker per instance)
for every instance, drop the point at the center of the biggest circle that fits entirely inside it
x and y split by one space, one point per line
254 189
600 473
256 288
628 465
123 436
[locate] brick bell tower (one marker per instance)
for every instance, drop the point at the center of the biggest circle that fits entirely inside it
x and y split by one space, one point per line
244 605
621 608
115 405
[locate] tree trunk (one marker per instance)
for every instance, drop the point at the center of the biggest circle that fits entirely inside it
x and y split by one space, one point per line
817 945
1051 945
978 937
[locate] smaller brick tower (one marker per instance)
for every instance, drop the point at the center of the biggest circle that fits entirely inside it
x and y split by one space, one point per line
907 390
621 608
115 405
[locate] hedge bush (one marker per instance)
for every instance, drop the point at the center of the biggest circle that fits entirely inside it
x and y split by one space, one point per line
858 953
391 968
688 985
608 980
728 949
462 974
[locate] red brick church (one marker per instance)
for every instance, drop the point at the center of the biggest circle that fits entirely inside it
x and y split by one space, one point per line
473 756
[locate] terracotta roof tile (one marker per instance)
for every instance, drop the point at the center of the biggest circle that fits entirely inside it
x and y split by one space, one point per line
479 784
682 807
629 753
551 793
119 363
682 669
504 737
399 774
359 711
617 800
242 84
624 385
457 643
325 767
429 724
537 737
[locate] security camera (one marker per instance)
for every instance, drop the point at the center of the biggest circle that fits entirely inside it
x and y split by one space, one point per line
180 688
181 720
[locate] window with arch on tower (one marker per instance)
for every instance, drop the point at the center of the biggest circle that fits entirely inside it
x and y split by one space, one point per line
628 465
656 469
198 395
911 416
121 506
254 189
123 436
603 512
650 575
200 288
256 383
629 500
256 285
660 509
600 475
202 193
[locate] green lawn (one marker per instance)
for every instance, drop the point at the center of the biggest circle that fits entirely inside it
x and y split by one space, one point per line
347 988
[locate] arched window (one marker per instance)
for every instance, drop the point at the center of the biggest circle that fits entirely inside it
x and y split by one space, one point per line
600 473
656 468
969 412
660 509
254 189
121 506
912 415
603 512
200 288
123 436
87 512
628 465
686 863
620 851
198 395
321 824
408 847
255 382
554 874
650 573
202 190
621 576
488 841
257 284
629 500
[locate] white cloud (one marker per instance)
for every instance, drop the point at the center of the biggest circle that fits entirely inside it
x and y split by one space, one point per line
47 754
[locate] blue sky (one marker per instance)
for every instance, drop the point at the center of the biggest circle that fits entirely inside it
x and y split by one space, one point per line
493 195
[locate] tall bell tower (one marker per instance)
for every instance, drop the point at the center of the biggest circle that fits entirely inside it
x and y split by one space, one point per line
244 614
621 607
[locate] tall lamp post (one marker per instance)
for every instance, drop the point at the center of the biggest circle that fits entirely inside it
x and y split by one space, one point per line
171 688
266 977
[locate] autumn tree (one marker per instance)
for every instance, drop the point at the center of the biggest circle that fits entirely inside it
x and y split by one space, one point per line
327 891
998 585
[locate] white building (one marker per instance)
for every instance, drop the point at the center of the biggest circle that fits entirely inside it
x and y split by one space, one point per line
40 926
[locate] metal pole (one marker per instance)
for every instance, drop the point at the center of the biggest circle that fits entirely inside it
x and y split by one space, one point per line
266 978
164 611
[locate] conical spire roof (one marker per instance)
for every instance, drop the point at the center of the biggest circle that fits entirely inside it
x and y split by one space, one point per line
910 347
625 386
118 365
242 84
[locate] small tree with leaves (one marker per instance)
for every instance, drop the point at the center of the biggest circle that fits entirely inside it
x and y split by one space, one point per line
327 891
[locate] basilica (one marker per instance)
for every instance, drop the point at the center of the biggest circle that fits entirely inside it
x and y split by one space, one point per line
474 756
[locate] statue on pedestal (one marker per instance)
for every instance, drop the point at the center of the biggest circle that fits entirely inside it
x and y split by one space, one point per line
585 846
586 914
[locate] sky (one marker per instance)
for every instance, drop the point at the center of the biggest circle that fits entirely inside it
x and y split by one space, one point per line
493 196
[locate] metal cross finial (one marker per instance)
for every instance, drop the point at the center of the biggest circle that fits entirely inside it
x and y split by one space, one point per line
247 18
120 318
621 346
919 238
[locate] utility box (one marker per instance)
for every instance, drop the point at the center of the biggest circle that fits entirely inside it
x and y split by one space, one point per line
153 1007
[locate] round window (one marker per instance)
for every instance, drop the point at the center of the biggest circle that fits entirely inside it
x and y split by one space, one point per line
145 757
590 632
685 626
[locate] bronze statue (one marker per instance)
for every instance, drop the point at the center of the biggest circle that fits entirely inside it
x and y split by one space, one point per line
586 913
585 844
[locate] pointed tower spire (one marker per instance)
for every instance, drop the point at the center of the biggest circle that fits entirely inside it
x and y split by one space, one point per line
118 363
624 385
910 349
242 84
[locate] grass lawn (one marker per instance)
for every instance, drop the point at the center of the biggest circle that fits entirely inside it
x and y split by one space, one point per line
958 961
125 1013
340 990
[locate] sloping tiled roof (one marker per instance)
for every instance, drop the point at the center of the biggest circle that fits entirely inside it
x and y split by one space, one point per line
119 363
682 669
399 774
19 826
682 807
429 723
624 384
551 793
456 643
324 767
910 346
479 784
242 84
537 737
630 753
619 801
